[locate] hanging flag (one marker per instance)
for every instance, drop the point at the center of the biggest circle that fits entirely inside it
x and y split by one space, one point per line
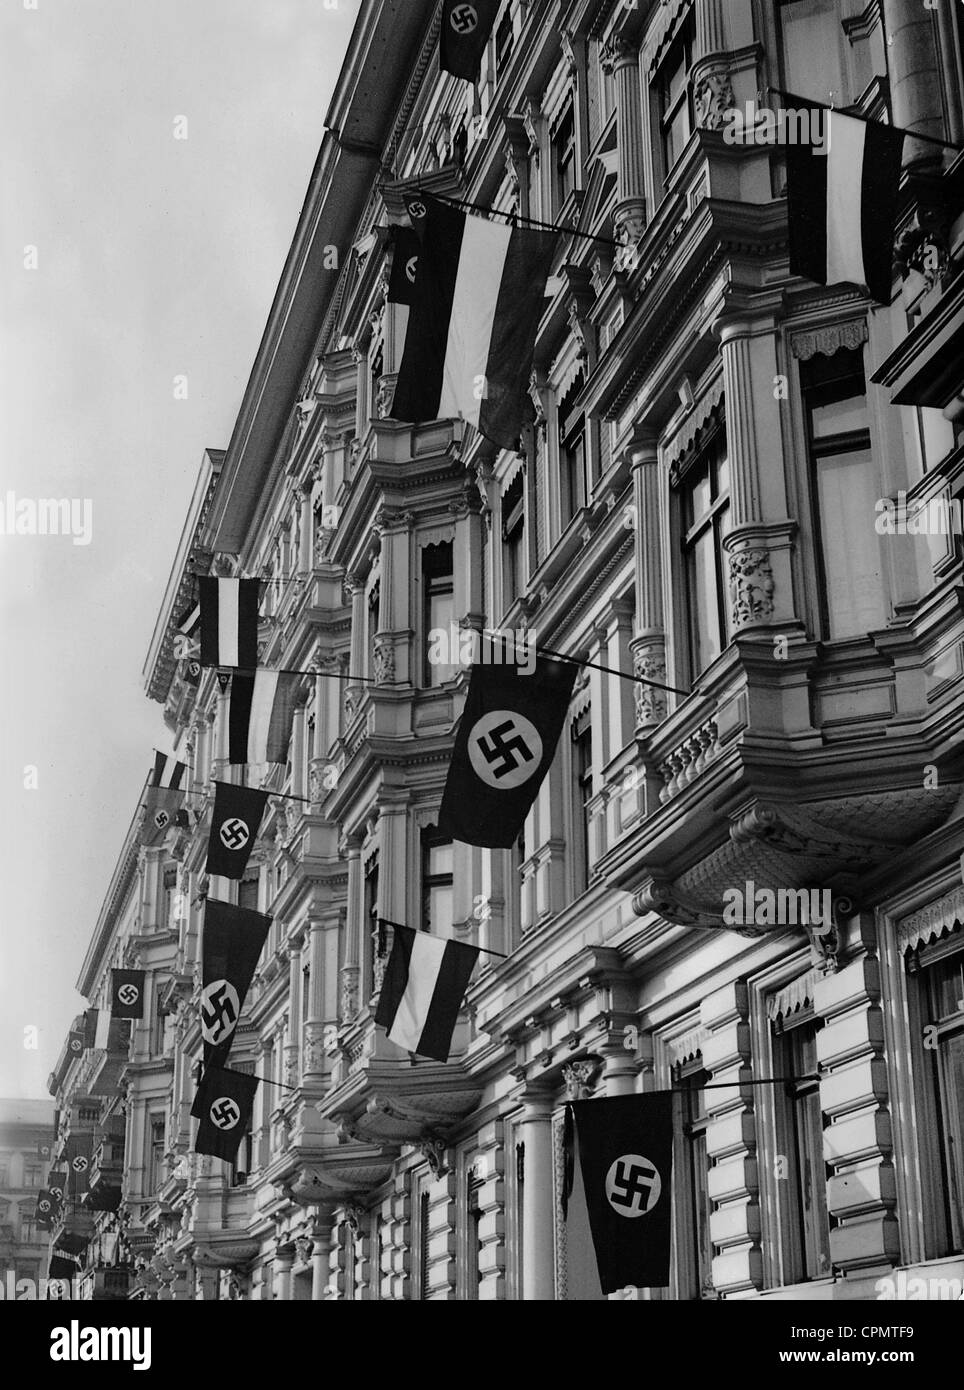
46 1211
163 797
57 1187
77 1158
260 713
229 622
624 1148
191 670
76 1041
223 1105
472 326
422 991
98 1028
234 828
505 744
842 194
417 209
63 1266
44 1149
232 943
127 993
406 244
465 32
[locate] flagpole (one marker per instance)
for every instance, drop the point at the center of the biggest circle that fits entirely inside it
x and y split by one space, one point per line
517 217
487 949
911 134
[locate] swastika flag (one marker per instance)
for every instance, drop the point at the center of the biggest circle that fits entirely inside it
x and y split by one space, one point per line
505 743
478 298
232 943
466 26
229 622
422 991
406 243
77 1152
223 1105
127 994
234 828
619 1160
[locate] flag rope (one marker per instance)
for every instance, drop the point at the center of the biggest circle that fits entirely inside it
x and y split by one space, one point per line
288 671
867 120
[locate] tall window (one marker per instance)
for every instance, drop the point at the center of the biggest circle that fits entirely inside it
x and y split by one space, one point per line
845 491
513 537
423 1246
32 1173
371 914
705 503
438 611
563 157
573 470
158 1036
811 41
170 889
373 599
437 881
941 1063
155 1158
28 1231
694 1248
473 1241
805 1228
674 99
504 41
582 795
248 892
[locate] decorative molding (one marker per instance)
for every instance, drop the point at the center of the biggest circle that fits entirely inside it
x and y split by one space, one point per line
826 341
931 922
751 587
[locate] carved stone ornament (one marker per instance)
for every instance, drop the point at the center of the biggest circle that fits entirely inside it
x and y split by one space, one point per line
349 992
650 701
384 661
577 1077
433 1151
827 341
751 587
385 394
712 98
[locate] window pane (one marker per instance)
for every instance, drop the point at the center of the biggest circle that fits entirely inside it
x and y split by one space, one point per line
811 49
440 909
704 601
840 417
850 552
440 860
698 500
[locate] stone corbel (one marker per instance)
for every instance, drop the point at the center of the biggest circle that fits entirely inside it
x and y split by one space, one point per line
577 1077
712 93
539 396
532 120
434 1152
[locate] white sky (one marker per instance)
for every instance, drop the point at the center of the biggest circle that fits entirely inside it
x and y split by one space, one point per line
156 257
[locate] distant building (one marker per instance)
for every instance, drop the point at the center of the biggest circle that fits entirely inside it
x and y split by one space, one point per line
26 1143
694 504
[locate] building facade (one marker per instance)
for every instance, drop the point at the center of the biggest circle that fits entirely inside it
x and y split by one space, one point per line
26 1141
696 504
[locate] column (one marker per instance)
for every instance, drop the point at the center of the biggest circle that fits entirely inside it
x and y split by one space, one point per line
281 1269
712 89
354 951
298 752
537 1215
649 644
292 1051
306 526
914 69
313 1056
621 56
321 1253
355 586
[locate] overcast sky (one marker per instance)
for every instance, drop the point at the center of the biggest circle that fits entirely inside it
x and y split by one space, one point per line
155 257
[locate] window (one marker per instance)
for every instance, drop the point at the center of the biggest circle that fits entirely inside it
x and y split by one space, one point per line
694 1248
28 1231
845 494
158 1034
4 1172
438 611
423 1244
32 1173
170 891
513 538
674 100
504 40
473 1241
941 1065
563 158
371 915
248 892
517 858
437 881
811 39
804 1252
574 485
373 598
582 795
155 1168
377 367
705 506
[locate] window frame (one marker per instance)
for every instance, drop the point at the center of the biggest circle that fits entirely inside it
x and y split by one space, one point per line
692 1268
665 109
512 510
428 840
708 458
437 576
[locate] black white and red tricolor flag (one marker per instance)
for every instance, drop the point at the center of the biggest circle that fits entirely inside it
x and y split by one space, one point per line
229 622
127 994
503 749
842 195
619 1160
422 991
231 945
473 322
235 822
223 1105
466 26
260 712
164 795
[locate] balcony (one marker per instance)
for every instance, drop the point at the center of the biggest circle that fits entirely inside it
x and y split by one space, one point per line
104 1067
